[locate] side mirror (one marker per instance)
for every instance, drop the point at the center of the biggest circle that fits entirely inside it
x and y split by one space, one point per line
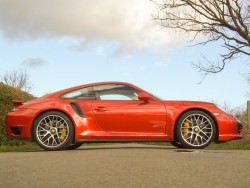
144 97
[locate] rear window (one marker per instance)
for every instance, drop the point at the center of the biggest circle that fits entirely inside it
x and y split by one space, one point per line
83 93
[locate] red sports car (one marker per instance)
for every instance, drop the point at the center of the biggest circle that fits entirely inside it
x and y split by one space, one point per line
118 112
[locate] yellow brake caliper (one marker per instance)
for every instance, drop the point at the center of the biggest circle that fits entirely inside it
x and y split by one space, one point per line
63 134
185 129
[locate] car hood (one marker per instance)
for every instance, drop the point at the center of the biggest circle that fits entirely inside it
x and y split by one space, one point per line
187 102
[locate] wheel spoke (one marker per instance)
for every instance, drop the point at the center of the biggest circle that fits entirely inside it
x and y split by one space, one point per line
44 137
47 124
206 127
42 129
206 135
54 141
186 134
198 131
196 140
201 139
52 131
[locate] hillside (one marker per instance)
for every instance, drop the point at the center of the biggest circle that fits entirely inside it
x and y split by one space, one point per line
7 94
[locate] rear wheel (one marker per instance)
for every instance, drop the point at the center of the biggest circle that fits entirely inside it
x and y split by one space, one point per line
195 129
53 131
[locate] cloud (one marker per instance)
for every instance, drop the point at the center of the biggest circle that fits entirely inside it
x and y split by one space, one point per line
99 50
127 23
33 62
123 50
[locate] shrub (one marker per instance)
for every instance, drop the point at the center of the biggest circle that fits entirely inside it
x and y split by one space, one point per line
7 94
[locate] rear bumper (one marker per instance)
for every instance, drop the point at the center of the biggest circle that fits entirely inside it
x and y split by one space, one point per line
18 123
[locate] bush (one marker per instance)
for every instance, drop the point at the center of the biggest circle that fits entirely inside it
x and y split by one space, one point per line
7 94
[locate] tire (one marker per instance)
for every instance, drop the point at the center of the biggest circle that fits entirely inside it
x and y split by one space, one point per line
74 146
177 144
53 131
195 130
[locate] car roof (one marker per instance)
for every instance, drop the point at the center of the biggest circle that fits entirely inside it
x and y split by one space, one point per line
58 93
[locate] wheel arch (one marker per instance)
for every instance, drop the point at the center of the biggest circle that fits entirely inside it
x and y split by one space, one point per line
199 109
50 110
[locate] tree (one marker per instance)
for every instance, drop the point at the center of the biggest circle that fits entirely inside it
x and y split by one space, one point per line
248 80
216 20
18 79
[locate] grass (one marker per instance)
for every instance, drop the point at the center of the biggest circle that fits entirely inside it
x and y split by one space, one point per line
26 147
243 144
33 146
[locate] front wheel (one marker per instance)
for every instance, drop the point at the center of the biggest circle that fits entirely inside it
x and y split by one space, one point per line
53 131
195 130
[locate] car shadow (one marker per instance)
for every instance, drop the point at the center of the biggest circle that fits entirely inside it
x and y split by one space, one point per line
148 147
120 147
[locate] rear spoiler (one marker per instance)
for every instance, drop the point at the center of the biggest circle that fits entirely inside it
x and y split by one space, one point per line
17 103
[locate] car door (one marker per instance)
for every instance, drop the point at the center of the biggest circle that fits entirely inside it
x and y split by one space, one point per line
118 110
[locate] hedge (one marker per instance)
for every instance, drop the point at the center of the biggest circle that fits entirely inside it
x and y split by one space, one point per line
7 94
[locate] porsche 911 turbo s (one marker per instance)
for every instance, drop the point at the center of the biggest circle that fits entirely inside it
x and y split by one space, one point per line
118 112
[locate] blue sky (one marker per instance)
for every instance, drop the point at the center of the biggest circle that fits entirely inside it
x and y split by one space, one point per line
63 44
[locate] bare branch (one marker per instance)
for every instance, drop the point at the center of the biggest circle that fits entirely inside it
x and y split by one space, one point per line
225 20
18 79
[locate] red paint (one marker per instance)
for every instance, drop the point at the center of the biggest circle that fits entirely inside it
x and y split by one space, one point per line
118 119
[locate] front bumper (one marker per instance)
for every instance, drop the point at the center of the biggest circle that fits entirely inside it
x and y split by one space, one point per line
229 128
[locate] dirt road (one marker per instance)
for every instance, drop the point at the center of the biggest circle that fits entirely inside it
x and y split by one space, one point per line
126 165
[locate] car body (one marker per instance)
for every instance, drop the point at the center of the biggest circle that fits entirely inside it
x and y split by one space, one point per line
118 112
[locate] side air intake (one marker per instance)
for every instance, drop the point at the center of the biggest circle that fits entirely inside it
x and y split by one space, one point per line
77 109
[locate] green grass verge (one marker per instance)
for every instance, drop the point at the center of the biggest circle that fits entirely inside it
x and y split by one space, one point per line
243 144
33 146
26 147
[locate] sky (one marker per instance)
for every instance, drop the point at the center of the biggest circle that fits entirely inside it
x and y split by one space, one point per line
63 43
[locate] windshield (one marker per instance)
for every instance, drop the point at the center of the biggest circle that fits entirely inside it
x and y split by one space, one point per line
159 98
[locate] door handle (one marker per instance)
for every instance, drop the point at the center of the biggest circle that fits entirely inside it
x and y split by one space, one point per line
100 109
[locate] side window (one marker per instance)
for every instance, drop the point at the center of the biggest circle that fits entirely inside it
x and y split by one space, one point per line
86 93
115 92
